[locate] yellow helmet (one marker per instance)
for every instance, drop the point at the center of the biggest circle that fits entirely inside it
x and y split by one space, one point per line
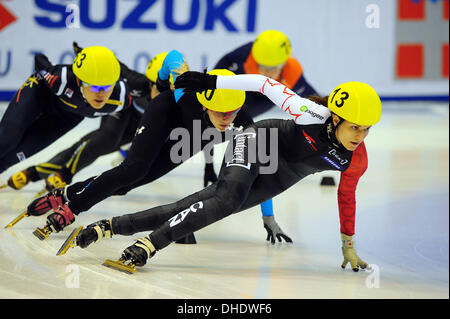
271 48
221 100
96 66
356 102
154 65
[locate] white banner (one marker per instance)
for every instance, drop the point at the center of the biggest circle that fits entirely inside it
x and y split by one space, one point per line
335 41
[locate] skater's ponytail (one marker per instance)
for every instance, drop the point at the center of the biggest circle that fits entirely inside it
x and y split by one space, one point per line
319 100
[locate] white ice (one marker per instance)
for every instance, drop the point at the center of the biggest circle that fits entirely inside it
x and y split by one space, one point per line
402 230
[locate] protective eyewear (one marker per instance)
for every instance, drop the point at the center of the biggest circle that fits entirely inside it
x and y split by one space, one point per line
226 115
97 88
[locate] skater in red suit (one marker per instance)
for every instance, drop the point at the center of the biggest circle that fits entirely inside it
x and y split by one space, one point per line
324 134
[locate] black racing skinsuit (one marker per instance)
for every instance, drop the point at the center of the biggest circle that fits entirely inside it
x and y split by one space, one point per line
48 105
149 157
115 130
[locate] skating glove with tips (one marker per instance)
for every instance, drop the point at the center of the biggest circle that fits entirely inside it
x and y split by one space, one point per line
196 81
273 230
350 255
76 48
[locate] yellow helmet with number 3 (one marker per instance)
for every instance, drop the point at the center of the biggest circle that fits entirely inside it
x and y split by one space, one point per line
356 102
96 66
271 48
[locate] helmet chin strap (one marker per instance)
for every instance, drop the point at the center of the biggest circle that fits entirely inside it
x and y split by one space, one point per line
82 93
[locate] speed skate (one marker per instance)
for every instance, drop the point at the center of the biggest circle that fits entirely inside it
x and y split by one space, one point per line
17 219
70 242
121 264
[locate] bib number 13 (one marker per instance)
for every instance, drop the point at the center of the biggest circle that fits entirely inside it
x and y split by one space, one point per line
340 99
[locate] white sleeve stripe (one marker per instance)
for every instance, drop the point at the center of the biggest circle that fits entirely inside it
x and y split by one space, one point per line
122 96
303 110
63 81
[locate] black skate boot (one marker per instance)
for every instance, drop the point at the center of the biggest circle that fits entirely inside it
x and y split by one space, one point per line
135 255
84 237
94 232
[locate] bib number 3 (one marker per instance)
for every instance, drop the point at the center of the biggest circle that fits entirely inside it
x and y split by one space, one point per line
80 59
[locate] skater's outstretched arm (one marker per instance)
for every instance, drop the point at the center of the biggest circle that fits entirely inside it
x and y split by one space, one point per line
302 110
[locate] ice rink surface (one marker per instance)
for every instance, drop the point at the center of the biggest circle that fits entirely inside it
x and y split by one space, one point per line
402 230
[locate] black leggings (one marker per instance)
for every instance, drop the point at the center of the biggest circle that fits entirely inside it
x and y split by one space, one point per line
240 185
112 133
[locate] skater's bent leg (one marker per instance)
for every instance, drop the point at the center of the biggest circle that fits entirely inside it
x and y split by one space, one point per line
145 148
40 134
83 195
153 218
103 141
226 200
229 192
236 178
24 108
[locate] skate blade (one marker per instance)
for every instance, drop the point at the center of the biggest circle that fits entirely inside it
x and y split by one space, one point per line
3 186
17 219
70 242
120 265
42 233
42 192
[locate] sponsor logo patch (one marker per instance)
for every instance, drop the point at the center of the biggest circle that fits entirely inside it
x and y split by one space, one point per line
332 163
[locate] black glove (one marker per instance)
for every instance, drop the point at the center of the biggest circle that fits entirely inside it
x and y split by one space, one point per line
41 62
162 85
273 230
76 48
196 81
210 175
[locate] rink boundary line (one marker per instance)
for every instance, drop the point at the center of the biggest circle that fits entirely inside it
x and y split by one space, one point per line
6 96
